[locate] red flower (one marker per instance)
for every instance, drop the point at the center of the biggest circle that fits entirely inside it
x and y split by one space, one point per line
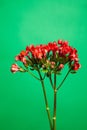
64 49
61 66
76 66
61 54
14 68
65 43
73 55
30 48
37 52
52 64
60 42
23 53
53 47
21 57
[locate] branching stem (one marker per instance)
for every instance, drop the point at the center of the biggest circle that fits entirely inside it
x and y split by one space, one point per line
55 104
63 80
33 75
50 78
46 102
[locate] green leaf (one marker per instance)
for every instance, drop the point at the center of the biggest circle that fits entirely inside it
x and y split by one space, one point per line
58 73
44 70
31 69
73 72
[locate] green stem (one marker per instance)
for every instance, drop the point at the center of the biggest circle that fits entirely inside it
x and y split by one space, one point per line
46 102
55 95
50 78
33 75
64 79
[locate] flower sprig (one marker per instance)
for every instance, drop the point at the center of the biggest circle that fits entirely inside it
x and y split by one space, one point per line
49 58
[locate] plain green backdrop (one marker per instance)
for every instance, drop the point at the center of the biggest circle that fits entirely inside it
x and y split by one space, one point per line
23 22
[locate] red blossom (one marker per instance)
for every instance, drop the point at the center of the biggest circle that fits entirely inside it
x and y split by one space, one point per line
61 66
52 64
73 55
14 68
20 58
37 52
64 48
60 42
76 66
61 54
52 47
65 43
23 53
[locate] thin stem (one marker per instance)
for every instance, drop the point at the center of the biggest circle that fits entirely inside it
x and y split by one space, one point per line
44 76
46 102
54 114
33 75
64 79
50 78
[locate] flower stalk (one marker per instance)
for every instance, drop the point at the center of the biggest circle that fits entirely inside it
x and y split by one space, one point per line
55 103
50 78
63 79
45 98
49 59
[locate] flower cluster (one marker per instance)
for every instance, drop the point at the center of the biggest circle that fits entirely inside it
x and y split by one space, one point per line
51 57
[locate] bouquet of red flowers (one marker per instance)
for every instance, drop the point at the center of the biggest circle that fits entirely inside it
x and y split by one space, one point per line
50 59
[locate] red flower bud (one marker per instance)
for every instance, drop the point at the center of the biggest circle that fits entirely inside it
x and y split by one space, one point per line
76 66
61 66
14 68
65 43
52 63
23 53
60 42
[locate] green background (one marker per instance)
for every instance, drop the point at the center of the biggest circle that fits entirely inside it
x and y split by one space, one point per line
23 22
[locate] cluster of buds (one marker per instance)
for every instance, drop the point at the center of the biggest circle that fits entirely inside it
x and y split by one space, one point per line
51 57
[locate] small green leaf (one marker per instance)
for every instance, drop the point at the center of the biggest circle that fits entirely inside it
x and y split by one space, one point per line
73 72
31 69
58 73
44 70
